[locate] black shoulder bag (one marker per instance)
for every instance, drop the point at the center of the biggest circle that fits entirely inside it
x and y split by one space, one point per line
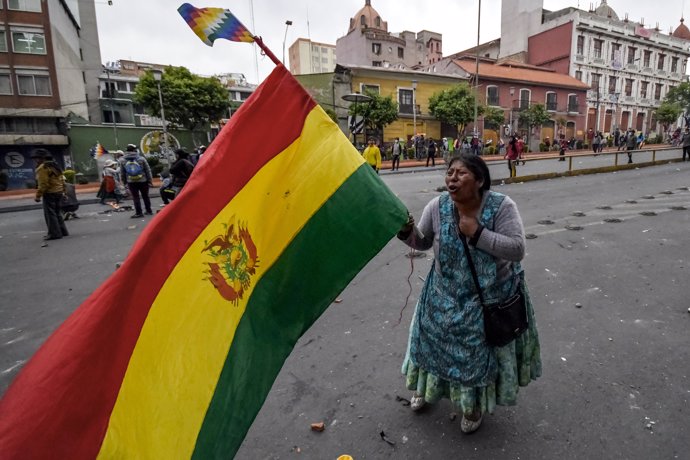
503 321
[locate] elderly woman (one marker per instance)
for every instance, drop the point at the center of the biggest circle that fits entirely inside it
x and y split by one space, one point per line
111 186
447 354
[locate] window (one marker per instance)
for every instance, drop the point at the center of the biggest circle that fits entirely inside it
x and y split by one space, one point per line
596 78
643 89
324 50
580 45
401 52
324 60
405 100
33 85
25 5
578 74
660 62
377 21
524 98
132 87
122 86
647 58
28 42
376 48
375 89
109 90
612 84
3 42
657 91
376 63
492 96
5 84
551 101
598 45
674 64
572 103
363 20
631 54
628 86
615 51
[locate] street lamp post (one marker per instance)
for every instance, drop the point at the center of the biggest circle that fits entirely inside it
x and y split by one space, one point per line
158 76
476 73
288 23
414 108
112 104
356 98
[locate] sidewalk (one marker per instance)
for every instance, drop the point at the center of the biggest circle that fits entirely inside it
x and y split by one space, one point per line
23 200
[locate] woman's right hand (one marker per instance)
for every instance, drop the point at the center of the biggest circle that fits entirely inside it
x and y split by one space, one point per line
407 228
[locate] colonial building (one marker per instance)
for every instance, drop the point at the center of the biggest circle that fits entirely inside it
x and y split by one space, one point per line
629 67
369 43
514 87
306 56
410 89
48 55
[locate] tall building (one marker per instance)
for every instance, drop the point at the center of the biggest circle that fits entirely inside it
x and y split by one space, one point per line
308 57
48 51
629 67
369 43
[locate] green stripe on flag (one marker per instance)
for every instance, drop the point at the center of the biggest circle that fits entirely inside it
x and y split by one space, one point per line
334 245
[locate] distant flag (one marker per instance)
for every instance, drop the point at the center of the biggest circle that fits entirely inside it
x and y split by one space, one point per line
212 23
177 363
640 31
98 150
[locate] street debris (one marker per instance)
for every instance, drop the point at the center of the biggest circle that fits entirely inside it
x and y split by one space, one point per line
385 438
320 426
131 227
453 416
406 402
530 236
337 300
296 449
578 305
405 439
650 423
563 359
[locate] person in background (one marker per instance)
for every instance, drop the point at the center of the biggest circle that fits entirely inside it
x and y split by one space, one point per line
136 175
596 140
166 192
640 140
180 170
396 151
631 143
686 143
563 147
50 188
372 155
431 153
447 353
111 184
512 155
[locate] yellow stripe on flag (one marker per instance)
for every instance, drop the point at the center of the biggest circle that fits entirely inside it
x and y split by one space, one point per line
185 339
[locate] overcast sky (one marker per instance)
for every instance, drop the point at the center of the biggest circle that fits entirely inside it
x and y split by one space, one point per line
153 31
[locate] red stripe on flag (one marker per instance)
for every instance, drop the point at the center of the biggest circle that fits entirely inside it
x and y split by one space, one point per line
60 404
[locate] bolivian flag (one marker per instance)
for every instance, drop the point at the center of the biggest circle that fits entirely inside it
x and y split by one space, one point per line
173 356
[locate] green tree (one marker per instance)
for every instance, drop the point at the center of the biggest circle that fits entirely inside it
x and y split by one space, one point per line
454 106
494 117
331 113
190 101
535 116
377 113
668 113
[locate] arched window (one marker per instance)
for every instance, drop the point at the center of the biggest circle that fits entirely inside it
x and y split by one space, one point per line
377 21
525 96
363 20
492 96
551 101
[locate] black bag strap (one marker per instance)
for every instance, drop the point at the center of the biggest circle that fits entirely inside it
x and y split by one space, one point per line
471 264
467 254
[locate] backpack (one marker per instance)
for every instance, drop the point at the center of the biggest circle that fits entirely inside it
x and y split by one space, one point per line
134 170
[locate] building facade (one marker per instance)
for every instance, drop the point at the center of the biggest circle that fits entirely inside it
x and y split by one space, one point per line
306 56
630 68
36 101
369 43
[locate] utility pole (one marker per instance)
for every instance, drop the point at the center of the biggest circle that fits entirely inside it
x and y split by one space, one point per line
476 73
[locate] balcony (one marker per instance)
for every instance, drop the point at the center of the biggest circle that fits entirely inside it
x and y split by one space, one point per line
551 106
493 102
521 104
407 109
573 108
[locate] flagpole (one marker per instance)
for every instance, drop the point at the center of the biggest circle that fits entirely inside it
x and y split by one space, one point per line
266 51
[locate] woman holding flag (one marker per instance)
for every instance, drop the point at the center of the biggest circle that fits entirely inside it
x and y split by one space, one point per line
448 354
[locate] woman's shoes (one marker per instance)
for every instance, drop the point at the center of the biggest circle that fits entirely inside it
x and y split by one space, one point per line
468 426
416 402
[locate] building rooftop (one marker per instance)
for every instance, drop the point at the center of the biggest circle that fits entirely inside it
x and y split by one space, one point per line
521 74
368 17
682 31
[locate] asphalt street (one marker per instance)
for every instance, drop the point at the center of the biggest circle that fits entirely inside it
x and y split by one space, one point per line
606 265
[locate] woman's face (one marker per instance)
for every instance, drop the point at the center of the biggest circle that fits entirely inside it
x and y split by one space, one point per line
462 185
